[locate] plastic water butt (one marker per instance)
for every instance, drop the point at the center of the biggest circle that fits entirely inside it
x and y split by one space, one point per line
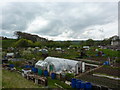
35 70
73 83
39 72
12 65
45 73
88 86
53 75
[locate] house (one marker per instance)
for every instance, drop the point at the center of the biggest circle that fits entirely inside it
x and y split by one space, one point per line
115 41
59 65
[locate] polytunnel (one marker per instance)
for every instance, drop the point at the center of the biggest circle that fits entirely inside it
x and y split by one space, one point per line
59 65
41 64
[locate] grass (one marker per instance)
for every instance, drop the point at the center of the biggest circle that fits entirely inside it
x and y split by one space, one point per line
8 43
111 53
15 80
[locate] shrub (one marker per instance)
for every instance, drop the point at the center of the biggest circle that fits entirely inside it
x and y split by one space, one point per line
69 76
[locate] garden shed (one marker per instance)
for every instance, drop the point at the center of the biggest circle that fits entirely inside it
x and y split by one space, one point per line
10 55
59 65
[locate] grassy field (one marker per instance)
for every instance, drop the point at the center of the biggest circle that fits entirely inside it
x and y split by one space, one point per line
8 43
111 53
15 80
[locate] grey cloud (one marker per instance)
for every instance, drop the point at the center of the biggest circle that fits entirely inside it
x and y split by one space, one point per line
72 16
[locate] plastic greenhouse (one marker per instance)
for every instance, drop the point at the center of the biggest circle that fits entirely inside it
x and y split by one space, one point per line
59 65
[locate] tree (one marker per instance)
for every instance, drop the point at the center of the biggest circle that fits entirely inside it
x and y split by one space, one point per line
28 36
37 44
106 42
89 42
66 43
23 43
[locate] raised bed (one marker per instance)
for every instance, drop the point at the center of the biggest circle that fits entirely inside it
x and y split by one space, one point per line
112 71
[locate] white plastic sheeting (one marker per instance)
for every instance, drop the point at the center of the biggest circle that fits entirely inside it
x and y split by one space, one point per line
41 64
44 51
59 64
10 54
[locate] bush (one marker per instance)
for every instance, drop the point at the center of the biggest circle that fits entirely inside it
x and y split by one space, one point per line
16 63
69 76
118 60
23 43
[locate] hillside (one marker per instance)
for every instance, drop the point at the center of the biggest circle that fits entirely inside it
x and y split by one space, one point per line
8 43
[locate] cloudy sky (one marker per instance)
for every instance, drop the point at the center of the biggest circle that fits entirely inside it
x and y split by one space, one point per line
61 20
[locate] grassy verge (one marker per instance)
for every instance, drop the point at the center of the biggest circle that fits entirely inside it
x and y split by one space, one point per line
15 80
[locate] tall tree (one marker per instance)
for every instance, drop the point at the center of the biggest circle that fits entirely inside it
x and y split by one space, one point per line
90 42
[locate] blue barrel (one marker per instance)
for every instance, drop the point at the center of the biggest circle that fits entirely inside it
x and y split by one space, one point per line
12 65
27 66
73 83
53 75
35 70
77 80
106 63
88 86
96 55
45 73
78 84
82 85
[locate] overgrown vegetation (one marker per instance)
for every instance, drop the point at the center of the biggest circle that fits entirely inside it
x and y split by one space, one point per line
69 76
23 43
51 84
15 80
